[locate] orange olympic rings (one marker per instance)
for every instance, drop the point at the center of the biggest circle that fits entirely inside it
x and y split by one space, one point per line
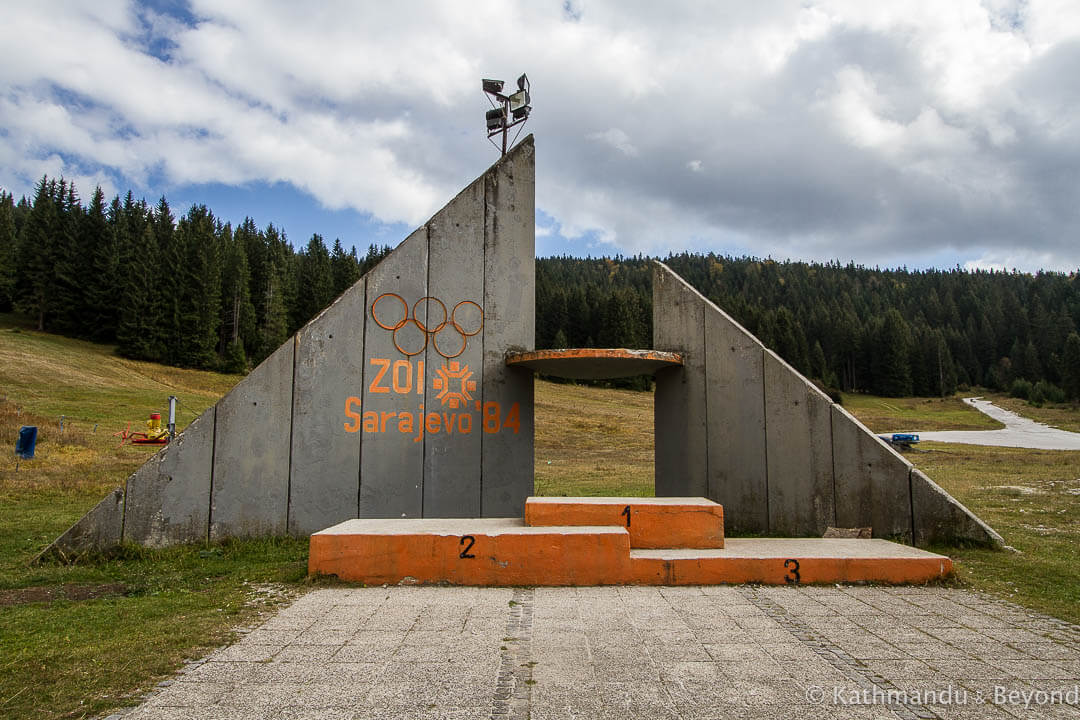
429 331
424 327
435 342
404 317
453 318
423 334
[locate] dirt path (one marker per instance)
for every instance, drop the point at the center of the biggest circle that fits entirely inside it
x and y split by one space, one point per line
1018 432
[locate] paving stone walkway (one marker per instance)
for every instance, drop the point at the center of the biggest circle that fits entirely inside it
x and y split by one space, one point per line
637 652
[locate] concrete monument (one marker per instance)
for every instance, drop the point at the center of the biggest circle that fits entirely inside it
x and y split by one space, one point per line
411 396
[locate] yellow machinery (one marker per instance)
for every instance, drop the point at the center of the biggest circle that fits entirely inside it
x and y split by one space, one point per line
155 433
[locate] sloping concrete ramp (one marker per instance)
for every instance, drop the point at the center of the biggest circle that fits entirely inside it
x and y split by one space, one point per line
738 425
395 401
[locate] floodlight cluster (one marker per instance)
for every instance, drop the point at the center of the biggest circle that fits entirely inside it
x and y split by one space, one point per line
507 111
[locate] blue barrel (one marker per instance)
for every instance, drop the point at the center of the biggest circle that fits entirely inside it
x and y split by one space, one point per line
24 446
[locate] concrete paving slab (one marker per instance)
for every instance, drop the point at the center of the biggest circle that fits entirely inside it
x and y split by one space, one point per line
532 664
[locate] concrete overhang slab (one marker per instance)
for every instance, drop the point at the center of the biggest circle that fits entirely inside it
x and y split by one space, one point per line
594 363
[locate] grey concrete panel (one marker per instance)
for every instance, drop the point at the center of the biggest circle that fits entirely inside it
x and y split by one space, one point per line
250 491
940 518
455 359
680 411
798 435
168 498
99 529
392 451
872 488
509 324
738 474
325 478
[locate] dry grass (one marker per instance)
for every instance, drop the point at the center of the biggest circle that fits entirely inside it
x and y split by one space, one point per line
44 377
1032 498
593 441
917 414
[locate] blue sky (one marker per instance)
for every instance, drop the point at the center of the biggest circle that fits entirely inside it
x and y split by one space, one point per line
924 134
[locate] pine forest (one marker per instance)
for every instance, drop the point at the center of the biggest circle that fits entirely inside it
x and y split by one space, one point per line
196 292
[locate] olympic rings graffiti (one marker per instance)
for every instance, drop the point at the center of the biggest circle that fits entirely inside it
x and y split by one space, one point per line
406 319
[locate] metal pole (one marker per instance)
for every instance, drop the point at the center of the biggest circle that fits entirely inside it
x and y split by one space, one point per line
505 123
172 417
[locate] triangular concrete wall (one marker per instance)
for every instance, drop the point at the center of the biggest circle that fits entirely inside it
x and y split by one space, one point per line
341 422
740 426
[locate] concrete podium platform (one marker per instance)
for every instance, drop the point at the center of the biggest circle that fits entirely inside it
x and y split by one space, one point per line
652 522
779 561
533 551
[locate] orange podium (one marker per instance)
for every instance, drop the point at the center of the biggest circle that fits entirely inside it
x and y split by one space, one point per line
604 541
651 522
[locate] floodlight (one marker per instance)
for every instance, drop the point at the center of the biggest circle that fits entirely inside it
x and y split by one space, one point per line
496 118
508 111
519 100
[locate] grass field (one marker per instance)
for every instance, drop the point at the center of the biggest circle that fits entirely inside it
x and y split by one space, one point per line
77 640
1031 497
593 441
917 414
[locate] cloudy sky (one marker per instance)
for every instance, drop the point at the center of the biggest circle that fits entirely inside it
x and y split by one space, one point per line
888 133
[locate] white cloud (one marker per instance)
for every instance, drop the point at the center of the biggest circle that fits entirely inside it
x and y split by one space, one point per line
617 139
834 129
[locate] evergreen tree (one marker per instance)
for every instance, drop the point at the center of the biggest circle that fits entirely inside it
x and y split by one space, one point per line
1032 367
1070 363
237 310
250 241
315 288
893 372
8 251
169 280
788 340
69 266
102 300
271 296
200 295
618 326
817 362
136 326
345 268
35 279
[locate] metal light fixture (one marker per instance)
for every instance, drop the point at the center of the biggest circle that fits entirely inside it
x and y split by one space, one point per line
507 110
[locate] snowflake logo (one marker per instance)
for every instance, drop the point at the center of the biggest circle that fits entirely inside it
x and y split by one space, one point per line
441 382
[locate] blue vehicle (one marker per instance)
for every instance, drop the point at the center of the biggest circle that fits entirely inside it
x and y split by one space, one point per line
901 440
